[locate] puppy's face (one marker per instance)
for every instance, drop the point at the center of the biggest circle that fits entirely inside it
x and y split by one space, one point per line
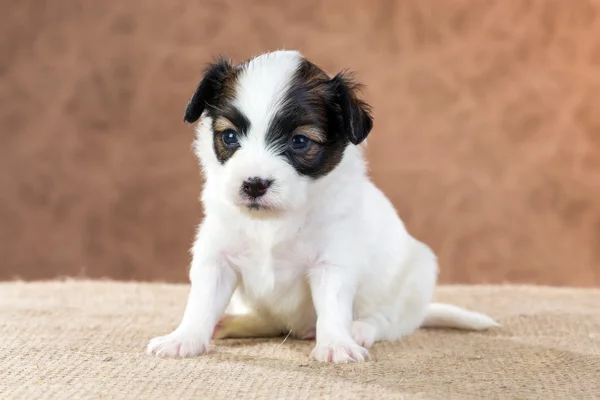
272 126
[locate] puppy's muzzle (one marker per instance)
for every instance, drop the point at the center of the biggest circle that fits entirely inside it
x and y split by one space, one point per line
255 187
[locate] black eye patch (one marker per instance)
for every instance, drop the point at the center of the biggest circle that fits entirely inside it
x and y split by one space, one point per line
225 121
305 111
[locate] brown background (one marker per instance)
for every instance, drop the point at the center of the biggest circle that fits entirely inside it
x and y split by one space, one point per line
487 130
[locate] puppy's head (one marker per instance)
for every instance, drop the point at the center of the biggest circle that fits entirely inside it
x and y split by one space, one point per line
273 125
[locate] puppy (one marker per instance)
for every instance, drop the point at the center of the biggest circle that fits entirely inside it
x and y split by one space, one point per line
296 239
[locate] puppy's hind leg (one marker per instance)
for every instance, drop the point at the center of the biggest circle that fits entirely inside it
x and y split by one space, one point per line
245 326
242 321
406 302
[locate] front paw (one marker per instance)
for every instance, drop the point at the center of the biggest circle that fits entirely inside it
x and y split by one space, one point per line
178 344
340 352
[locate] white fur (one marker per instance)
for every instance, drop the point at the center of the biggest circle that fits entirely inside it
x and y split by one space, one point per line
331 255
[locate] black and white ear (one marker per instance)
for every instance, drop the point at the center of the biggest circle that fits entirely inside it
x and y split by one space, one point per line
355 115
208 90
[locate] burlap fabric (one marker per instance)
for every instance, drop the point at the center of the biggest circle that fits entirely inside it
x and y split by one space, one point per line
81 339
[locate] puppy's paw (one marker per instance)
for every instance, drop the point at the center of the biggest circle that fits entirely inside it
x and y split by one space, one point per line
178 344
363 333
340 352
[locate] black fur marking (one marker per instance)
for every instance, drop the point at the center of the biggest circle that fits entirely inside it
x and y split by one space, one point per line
211 89
233 115
324 105
325 110
214 94
241 125
356 119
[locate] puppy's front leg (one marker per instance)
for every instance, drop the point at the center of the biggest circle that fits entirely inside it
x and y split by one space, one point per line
333 291
212 286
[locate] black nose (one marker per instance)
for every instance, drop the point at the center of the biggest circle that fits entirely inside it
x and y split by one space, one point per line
255 187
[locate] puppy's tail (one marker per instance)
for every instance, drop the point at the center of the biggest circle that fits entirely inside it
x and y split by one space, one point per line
441 315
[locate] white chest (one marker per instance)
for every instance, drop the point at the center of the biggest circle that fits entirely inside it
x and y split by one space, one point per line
266 269
273 275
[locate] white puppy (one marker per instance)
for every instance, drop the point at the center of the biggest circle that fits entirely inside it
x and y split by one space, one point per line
296 239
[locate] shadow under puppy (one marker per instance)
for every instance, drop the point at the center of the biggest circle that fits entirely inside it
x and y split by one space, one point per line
296 237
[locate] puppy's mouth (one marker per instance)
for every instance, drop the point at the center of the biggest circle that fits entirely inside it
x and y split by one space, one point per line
254 206
247 204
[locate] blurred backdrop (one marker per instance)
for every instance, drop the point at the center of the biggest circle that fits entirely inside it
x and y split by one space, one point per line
486 138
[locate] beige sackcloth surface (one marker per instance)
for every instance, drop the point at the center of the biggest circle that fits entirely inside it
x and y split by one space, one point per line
86 340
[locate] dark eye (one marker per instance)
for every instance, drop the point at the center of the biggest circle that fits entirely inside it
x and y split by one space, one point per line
230 137
300 142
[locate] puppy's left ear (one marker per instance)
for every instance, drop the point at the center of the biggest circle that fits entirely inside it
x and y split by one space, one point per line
356 120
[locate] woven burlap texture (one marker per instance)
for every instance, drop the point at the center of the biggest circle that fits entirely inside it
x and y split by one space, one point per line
84 339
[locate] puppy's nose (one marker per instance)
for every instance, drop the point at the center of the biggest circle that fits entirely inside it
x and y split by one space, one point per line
256 187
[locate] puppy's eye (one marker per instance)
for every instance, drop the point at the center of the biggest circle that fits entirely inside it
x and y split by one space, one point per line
299 142
230 137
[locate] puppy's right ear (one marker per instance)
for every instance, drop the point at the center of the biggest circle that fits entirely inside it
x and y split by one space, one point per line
209 89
